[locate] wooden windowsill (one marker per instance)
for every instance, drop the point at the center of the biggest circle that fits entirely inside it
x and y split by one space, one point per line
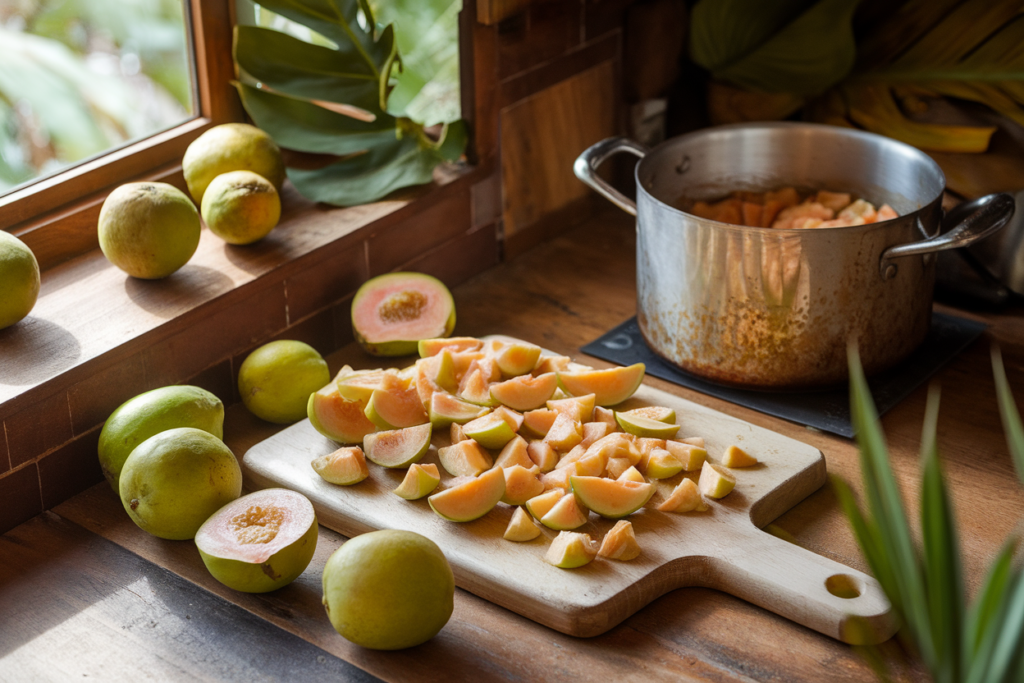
90 316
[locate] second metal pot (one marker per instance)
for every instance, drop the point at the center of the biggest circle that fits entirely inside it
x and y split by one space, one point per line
774 309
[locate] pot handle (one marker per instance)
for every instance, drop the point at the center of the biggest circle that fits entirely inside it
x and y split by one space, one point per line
586 165
972 221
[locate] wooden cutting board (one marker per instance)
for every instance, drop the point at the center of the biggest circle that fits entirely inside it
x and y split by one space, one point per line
722 548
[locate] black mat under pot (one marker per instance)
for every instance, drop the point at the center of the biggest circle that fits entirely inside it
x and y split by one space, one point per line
829 410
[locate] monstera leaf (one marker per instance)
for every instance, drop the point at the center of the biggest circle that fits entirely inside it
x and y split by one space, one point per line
334 100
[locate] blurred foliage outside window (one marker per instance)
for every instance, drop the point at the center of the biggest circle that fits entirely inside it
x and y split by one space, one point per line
79 78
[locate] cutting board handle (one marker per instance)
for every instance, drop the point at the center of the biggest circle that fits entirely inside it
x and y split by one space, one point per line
802 586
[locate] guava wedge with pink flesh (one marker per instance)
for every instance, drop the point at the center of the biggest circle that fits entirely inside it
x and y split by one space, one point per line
392 313
525 392
432 347
398 447
470 499
446 409
395 404
620 543
611 498
610 387
337 418
259 542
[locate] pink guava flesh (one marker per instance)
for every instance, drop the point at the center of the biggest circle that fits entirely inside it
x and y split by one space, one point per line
254 527
402 309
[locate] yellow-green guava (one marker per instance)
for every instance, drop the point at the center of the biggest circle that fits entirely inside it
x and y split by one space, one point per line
231 147
172 482
19 279
148 230
241 207
259 542
388 590
276 379
153 412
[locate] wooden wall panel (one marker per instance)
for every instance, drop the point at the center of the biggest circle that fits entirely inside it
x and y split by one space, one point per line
542 136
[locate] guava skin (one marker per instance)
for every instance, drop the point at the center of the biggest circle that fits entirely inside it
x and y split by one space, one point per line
388 590
276 379
241 207
172 482
19 279
231 147
148 230
153 412
282 568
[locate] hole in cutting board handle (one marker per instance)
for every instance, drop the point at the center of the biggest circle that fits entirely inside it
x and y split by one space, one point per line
843 586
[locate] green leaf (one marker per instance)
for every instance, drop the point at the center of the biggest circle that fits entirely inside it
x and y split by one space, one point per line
887 511
333 99
1008 411
306 127
301 69
807 56
370 176
724 31
943 574
427 89
989 601
335 20
1002 641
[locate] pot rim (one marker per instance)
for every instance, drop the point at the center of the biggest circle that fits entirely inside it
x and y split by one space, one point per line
792 125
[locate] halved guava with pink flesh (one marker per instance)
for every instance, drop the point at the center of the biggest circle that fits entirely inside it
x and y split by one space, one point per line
391 313
610 387
525 392
470 499
336 418
611 498
260 542
398 447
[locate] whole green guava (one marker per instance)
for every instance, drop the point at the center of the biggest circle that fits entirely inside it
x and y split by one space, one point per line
172 482
19 279
231 147
153 412
148 230
276 379
388 590
241 207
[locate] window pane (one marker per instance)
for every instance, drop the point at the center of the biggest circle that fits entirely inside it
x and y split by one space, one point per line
79 78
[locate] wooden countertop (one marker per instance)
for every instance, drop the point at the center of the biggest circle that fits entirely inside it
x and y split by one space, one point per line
84 593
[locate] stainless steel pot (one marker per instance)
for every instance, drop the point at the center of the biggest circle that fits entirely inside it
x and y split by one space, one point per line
770 308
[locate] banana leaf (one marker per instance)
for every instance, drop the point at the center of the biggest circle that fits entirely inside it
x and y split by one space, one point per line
333 96
763 47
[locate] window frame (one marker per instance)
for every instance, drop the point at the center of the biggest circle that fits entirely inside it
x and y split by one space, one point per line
55 216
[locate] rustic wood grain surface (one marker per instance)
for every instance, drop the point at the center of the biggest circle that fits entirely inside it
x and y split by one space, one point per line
562 295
